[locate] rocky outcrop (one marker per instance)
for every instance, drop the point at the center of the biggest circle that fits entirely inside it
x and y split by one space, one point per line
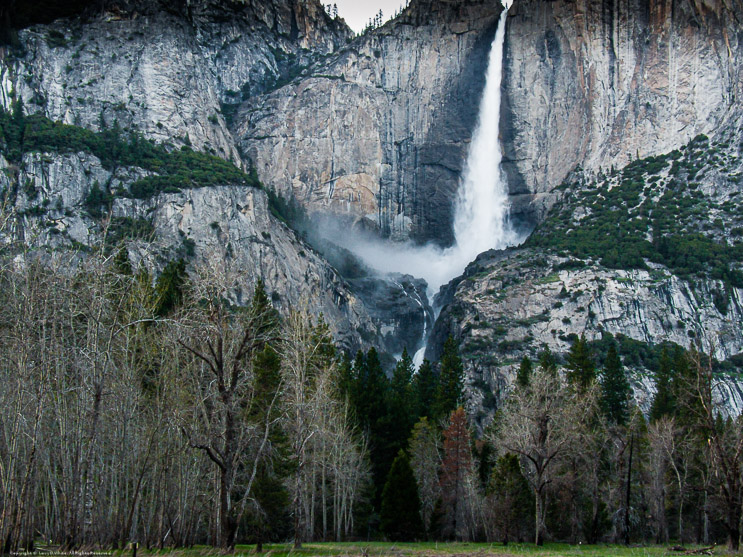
399 306
375 129
380 132
220 227
513 304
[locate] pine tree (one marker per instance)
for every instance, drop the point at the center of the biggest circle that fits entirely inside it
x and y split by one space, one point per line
270 514
451 381
547 360
402 405
664 401
425 386
615 389
511 497
581 369
345 385
371 396
525 369
400 517
16 131
169 287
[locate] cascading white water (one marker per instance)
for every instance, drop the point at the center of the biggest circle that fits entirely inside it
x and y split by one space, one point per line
481 217
481 209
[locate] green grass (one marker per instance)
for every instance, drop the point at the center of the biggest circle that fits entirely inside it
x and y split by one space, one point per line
432 548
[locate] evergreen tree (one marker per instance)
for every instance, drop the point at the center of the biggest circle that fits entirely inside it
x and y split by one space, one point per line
121 262
371 394
15 133
169 287
451 381
346 380
374 393
511 497
525 369
547 360
581 369
400 517
370 390
425 386
270 512
664 401
269 517
402 405
615 389
268 316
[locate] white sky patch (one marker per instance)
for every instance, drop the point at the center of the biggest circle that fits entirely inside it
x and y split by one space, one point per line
357 13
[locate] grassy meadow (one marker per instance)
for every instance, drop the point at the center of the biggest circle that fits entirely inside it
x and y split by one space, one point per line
388 549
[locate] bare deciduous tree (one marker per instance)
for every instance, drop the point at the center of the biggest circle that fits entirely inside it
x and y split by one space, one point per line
539 424
222 340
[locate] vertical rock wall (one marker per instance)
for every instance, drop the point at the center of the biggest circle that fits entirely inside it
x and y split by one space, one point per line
597 83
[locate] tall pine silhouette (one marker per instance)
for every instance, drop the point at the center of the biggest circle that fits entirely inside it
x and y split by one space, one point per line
615 389
400 516
451 381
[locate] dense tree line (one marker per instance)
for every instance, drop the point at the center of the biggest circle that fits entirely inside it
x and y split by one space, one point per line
161 411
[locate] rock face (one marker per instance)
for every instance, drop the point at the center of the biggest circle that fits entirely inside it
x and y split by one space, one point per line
228 227
398 305
164 69
374 130
379 133
596 83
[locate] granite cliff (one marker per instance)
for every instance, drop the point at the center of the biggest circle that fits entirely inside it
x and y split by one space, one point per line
373 130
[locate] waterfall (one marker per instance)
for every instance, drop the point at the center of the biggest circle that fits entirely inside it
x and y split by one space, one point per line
481 217
481 207
481 211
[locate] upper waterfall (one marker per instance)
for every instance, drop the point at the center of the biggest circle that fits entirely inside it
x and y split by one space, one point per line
481 217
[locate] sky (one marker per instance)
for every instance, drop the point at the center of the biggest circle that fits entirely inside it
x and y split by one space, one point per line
357 13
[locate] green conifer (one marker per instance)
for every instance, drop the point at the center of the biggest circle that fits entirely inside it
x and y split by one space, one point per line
451 381
664 401
581 371
400 517
547 360
615 389
425 386
524 373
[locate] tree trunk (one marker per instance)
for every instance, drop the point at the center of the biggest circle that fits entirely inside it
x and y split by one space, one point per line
629 491
733 526
538 514
227 525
